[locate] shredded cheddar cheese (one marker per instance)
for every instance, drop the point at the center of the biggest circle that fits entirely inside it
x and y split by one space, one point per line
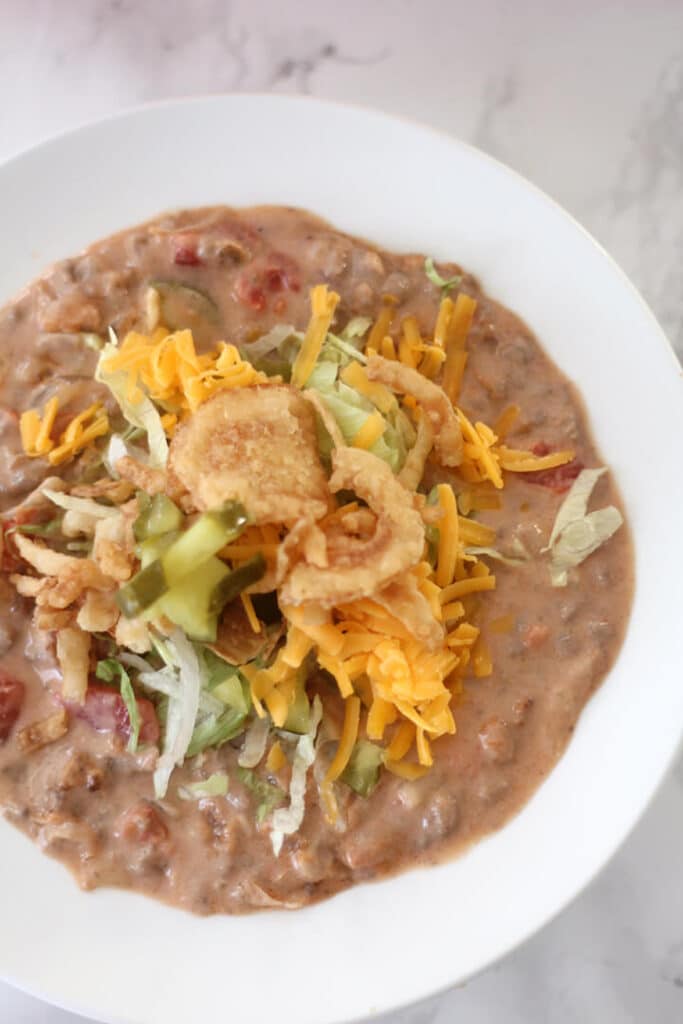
323 305
169 370
82 430
370 432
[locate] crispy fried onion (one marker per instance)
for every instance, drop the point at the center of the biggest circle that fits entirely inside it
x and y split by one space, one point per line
39 734
433 400
402 599
63 582
333 563
414 466
116 491
145 478
73 656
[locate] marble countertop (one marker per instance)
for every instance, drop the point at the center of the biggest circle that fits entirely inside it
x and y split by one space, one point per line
586 100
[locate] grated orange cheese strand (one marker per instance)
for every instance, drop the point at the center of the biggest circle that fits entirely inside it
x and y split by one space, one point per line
323 305
515 461
461 321
410 342
278 706
370 432
339 673
469 586
406 769
387 347
355 666
504 423
448 536
381 714
347 740
482 664
276 758
29 428
401 742
477 446
379 394
443 321
248 606
252 674
452 611
43 442
456 357
326 636
382 324
475 533
424 752
296 647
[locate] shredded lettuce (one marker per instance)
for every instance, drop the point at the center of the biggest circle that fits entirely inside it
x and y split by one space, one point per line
84 506
142 414
498 555
343 348
576 534
214 785
254 743
351 409
108 669
183 705
214 730
445 284
357 327
267 796
272 341
287 820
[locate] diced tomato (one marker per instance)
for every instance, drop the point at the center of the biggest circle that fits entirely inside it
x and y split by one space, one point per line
142 823
271 275
105 710
11 698
185 252
249 294
560 478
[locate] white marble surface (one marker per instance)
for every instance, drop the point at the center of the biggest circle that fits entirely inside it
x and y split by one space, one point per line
586 99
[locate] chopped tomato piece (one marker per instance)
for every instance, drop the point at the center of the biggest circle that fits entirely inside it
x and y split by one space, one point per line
185 252
11 698
105 710
558 479
268 276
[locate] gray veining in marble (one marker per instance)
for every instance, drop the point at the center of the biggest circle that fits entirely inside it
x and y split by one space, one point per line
585 99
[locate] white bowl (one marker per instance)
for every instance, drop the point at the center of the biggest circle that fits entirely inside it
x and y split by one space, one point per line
120 957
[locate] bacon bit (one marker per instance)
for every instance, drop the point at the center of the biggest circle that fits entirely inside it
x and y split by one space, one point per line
535 635
11 698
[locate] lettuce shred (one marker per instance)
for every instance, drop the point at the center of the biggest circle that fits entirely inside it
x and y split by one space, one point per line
142 414
287 820
576 533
